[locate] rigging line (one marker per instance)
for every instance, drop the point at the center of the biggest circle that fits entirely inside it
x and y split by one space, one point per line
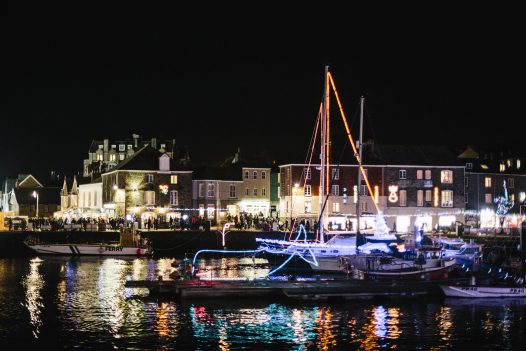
351 140
312 144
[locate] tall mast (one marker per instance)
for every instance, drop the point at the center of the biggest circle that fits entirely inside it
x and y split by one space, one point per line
358 208
323 156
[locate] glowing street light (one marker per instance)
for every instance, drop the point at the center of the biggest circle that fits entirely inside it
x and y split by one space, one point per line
35 194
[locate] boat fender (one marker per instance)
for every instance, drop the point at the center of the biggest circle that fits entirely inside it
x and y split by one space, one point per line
101 249
138 251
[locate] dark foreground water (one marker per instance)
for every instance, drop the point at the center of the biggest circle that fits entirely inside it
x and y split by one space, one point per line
81 303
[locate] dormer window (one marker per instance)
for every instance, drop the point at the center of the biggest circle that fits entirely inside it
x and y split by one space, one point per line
114 146
149 178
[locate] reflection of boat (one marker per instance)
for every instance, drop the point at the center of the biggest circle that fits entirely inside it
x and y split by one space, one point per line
424 263
474 291
130 244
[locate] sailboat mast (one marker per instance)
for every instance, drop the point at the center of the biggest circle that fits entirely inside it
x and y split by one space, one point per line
358 208
323 156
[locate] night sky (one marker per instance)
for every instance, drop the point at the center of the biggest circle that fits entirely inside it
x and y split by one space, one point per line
431 74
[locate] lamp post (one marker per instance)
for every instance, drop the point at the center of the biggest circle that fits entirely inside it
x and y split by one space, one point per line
35 194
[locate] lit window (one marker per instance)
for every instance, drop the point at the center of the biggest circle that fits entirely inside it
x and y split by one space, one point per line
446 177
429 196
174 200
308 206
509 162
402 174
335 190
121 157
114 146
211 190
518 164
307 190
402 197
502 167
149 197
173 179
447 198
232 191
122 147
428 174
113 157
101 147
335 174
99 157
420 198
487 198
487 182
129 147
335 207
263 175
419 174
307 172
255 175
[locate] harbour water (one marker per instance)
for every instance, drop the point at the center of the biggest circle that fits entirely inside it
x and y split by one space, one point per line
81 303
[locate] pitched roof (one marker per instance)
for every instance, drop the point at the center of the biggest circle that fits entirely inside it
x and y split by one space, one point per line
146 158
232 173
426 155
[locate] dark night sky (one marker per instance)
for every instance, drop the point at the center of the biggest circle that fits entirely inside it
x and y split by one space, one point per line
432 74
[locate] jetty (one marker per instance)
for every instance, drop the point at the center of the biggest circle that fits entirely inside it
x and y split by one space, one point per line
334 289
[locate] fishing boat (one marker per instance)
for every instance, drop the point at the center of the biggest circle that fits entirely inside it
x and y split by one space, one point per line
130 244
474 291
423 263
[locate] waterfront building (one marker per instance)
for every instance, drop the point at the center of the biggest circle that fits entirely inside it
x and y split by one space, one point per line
104 155
148 185
419 186
491 176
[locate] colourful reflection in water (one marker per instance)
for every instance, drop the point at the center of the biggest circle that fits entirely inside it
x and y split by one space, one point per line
33 284
381 324
323 326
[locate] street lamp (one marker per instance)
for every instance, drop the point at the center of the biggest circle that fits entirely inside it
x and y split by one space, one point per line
35 194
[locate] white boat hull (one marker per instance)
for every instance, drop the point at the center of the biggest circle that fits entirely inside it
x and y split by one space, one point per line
89 249
472 291
329 264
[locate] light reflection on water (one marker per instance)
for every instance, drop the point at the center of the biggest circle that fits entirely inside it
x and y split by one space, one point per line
82 302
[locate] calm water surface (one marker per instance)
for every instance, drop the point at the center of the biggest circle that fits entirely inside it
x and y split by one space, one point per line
81 303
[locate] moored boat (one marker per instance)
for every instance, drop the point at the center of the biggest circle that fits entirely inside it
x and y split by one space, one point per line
474 291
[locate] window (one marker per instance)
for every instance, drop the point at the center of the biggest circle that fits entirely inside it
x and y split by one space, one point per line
335 174
232 191
99 157
511 183
487 182
89 199
201 190
308 207
247 191
466 181
364 207
173 179
428 174
429 196
502 167
263 175
246 174
163 146
518 163
335 190
211 190
122 147
263 192
446 177
174 200
121 157
255 191
95 198
420 198
419 174
129 147
149 197
487 198
402 174
469 165
447 198
113 157
307 190
101 147
255 175
113 146
402 198
335 207
307 172
363 190
149 178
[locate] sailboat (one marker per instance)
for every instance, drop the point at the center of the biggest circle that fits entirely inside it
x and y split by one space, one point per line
321 254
